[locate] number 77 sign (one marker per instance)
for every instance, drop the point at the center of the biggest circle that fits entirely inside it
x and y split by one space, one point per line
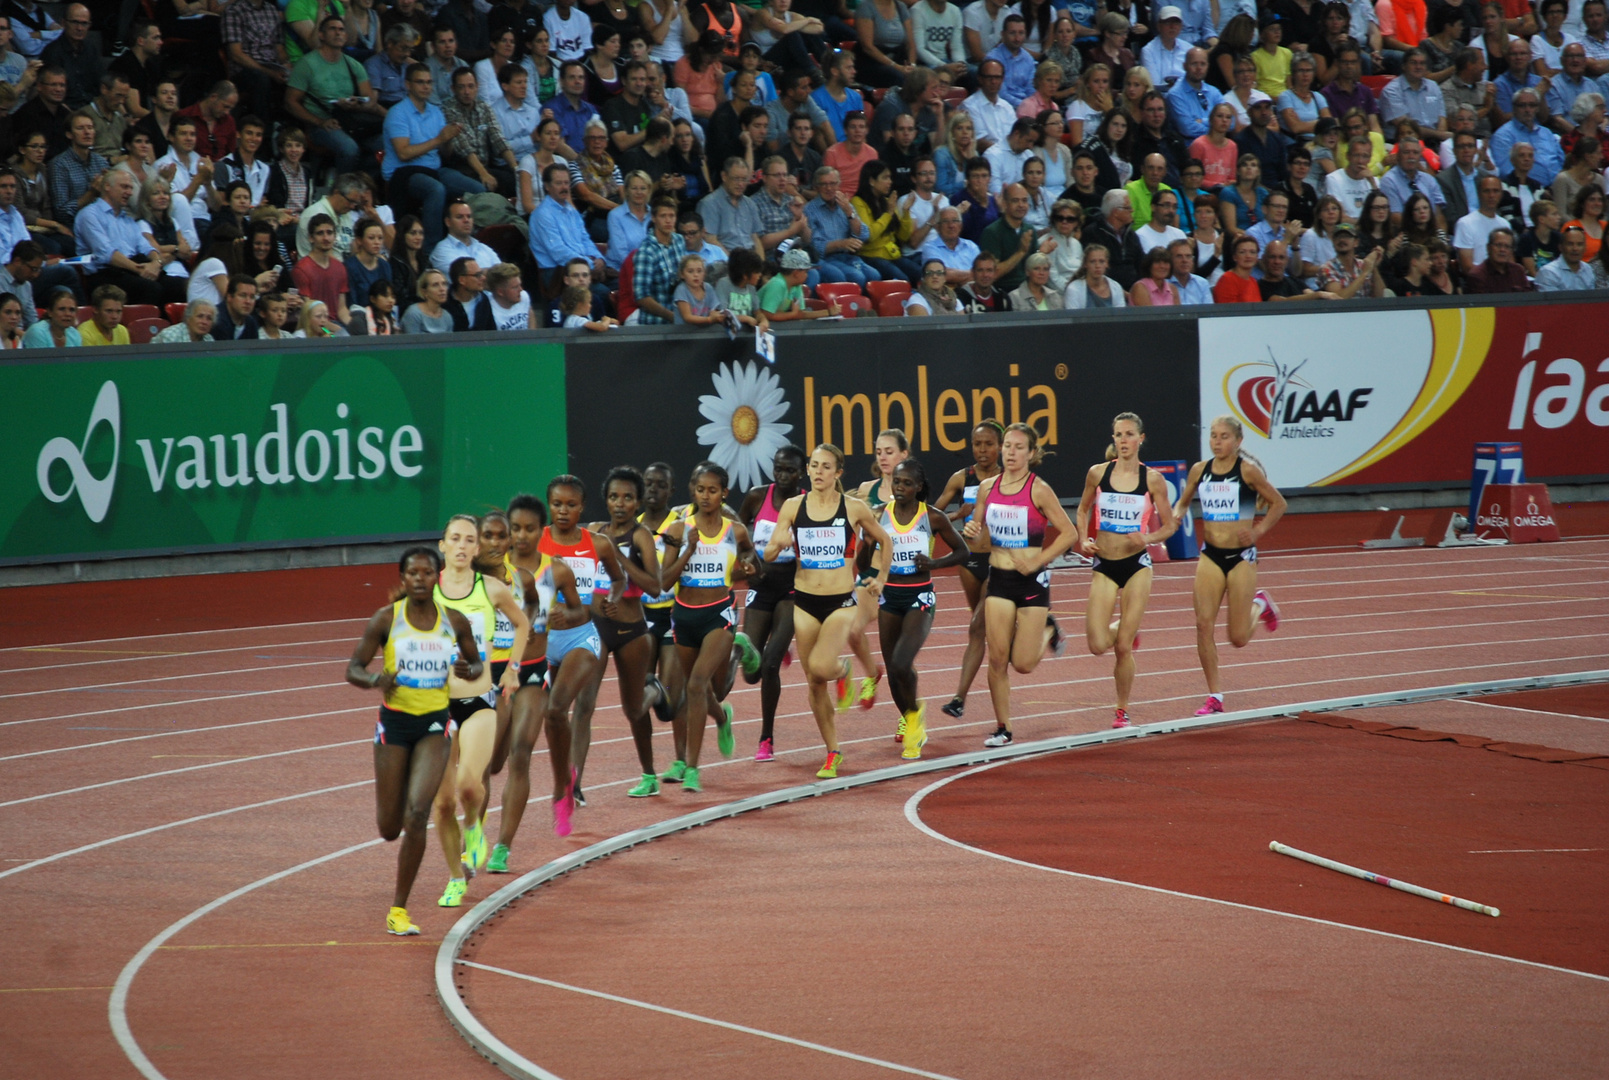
1495 463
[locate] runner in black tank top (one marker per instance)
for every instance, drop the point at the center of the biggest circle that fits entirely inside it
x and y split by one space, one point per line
1115 494
768 610
821 525
1230 486
974 576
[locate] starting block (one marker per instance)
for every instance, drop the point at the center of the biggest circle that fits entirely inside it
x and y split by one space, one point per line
1389 534
1517 514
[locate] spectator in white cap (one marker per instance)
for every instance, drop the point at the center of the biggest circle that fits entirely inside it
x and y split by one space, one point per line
1164 55
1260 137
782 298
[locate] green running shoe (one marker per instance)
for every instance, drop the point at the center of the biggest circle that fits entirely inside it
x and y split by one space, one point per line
750 656
475 847
454 896
648 786
723 732
674 774
690 780
498 863
846 690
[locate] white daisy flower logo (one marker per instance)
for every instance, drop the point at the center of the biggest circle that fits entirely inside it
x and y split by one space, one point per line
745 429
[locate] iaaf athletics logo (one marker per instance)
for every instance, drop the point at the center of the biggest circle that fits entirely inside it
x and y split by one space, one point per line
182 463
1269 396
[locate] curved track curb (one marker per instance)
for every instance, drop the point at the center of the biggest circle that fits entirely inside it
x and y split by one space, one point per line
516 1065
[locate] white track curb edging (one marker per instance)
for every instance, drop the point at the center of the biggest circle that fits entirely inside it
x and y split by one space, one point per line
516 1065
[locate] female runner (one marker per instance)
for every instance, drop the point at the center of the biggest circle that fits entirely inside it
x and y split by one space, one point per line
473 704
586 553
1233 486
621 625
1013 510
551 579
891 448
906 607
975 571
768 610
820 525
712 549
413 737
1117 490
656 515
493 561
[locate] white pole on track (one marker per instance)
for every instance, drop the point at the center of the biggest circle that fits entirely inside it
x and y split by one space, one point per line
1380 879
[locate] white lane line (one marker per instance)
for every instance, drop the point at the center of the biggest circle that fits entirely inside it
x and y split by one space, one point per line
185 769
169 656
184 731
174 704
182 633
176 824
682 1015
913 815
1531 850
117 1008
1535 712
89 688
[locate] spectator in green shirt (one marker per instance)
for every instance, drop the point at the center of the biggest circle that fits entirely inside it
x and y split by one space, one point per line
1008 238
782 298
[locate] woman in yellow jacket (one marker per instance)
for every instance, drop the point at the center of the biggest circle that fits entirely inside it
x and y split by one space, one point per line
886 226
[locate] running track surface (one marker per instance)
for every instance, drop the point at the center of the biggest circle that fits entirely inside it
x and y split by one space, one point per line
148 777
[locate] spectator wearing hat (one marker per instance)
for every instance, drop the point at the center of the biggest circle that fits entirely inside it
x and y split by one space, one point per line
782 298
1272 59
1164 55
1261 138
1346 275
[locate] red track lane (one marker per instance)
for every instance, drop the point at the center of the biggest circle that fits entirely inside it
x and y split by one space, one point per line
78 919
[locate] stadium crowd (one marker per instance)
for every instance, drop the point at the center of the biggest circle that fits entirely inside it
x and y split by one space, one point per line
194 170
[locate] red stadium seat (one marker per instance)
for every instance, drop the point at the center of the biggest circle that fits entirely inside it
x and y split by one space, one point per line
954 96
880 289
892 306
140 311
85 313
141 331
175 313
855 305
1375 83
837 289
814 304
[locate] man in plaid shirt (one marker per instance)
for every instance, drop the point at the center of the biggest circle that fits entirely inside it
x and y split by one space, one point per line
658 266
253 36
480 149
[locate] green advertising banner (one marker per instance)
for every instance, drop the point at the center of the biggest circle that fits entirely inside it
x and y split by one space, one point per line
239 449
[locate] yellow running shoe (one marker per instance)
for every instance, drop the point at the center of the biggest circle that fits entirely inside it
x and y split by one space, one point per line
829 771
454 896
475 853
846 691
398 923
915 733
868 690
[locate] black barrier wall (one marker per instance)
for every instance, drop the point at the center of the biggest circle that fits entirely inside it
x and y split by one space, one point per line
712 398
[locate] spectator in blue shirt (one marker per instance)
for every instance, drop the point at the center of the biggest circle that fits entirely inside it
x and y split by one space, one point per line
1192 99
628 222
388 68
571 108
1018 61
558 234
837 233
415 131
1524 129
1519 76
118 251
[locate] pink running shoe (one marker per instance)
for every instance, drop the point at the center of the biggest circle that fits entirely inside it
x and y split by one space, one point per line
1270 614
787 657
1122 719
1136 639
765 751
1210 706
563 808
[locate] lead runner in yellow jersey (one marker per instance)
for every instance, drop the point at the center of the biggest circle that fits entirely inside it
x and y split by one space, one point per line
423 642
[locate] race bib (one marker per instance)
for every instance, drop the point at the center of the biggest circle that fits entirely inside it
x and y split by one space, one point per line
1121 513
1008 525
821 547
423 662
586 574
1220 500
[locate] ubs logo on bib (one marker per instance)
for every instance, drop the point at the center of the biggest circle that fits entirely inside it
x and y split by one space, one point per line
1323 395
